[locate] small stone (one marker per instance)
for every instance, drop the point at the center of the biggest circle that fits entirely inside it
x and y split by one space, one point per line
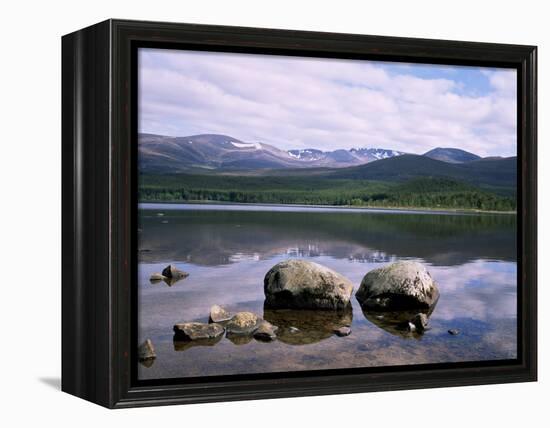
146 351
294 330
343 331
219 314
266 332
454 331
197 331
243 323
156 277
173 272
420 321
411 326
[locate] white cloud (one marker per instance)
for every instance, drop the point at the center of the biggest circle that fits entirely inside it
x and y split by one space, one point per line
321 103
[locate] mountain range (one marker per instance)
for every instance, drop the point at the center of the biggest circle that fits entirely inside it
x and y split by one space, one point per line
213 153
163 154
158 153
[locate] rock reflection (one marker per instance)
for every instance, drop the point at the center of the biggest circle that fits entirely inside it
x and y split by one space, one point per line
184 345
168 281
397 322
303 327
239 339
147 363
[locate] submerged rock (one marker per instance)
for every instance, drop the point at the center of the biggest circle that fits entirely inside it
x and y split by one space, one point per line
197 331
243 323
342 331
173 272
146 351
300 284
156 277
398 286
219 314
266 332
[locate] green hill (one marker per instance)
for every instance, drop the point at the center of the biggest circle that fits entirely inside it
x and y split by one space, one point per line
497 175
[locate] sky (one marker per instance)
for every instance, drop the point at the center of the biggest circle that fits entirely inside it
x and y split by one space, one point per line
327 104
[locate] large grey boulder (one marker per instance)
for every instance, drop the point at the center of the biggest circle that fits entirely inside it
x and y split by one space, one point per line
398 286
300 284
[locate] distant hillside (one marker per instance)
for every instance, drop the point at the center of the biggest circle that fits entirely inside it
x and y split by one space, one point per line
451 155
499 175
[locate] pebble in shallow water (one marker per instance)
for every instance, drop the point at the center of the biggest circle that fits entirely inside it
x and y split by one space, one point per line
343 331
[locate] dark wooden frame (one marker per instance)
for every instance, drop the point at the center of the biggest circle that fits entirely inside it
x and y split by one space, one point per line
98 225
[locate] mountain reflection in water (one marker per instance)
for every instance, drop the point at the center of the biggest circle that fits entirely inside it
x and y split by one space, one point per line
227 254
213 238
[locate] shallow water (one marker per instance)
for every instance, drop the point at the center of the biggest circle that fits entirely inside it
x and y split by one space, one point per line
227 252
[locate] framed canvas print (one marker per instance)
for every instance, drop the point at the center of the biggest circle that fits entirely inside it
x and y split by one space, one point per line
253 213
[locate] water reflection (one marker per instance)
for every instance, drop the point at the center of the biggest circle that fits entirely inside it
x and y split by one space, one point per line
472 258
168 281
215 238
239 339
303 327
397 322
184 345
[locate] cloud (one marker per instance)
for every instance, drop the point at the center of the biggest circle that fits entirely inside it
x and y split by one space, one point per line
293 102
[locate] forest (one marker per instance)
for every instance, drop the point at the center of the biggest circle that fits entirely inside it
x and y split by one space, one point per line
422 192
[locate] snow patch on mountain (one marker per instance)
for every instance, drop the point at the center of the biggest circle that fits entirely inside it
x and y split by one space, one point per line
256 146
307 154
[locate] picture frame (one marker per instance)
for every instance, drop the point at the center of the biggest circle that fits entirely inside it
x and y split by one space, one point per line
99 219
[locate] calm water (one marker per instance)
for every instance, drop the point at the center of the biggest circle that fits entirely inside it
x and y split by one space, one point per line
228 249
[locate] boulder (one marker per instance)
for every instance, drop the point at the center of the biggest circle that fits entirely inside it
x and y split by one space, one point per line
197 331
266 332
299 284
173 272
146 351
243 323
398 286
219 314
